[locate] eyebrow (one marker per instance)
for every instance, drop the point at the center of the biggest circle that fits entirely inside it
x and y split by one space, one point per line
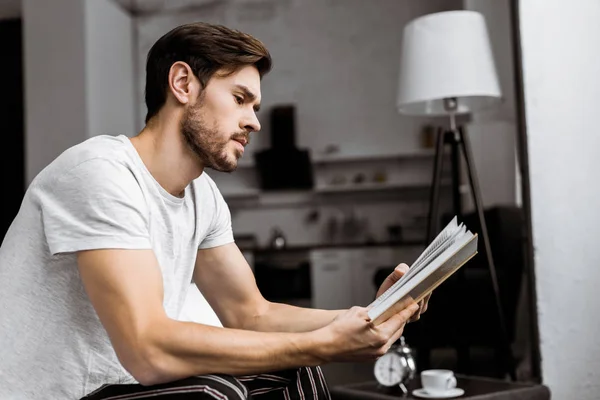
251 96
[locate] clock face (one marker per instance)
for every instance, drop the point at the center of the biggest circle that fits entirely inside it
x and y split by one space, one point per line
390 369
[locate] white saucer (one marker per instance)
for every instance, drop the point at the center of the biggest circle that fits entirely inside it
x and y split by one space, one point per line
446 395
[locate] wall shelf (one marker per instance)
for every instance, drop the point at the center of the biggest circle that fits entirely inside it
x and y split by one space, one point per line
402 181
351 158
334 246
370 186
319 160
361 193
240 193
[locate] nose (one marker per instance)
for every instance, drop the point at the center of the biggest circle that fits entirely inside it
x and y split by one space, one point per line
250 123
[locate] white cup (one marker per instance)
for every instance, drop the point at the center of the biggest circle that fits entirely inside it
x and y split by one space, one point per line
438 381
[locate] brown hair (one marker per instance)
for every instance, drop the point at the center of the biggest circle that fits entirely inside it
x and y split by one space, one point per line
206 48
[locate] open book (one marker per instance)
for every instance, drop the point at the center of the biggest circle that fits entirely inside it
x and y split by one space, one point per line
449 251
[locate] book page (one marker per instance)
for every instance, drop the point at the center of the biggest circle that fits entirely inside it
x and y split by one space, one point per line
452 238
444 239
439 240
439 269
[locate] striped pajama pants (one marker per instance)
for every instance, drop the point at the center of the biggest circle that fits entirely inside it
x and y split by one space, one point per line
293 384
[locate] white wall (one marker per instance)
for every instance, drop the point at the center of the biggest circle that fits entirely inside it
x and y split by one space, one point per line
109 65
338 61
561 65
70 94
55 103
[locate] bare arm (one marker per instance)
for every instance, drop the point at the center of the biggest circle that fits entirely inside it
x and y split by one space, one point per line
227 283
125 288
286 318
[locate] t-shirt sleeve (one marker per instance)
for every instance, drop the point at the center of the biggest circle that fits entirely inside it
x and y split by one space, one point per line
220 231
97 204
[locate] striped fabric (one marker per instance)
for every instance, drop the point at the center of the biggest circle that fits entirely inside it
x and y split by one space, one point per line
293 384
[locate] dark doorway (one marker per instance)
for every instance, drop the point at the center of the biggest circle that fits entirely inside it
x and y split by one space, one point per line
12 160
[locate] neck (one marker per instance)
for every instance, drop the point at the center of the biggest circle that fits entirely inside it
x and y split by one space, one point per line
163 150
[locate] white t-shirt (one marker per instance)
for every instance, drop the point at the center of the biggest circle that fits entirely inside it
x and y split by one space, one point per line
97 194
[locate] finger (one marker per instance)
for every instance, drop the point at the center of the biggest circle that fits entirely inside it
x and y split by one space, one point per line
397 321
426 301
395 336
417 315
360 312
396 274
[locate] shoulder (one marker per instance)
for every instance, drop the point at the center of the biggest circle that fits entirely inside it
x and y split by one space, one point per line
101 156
97 170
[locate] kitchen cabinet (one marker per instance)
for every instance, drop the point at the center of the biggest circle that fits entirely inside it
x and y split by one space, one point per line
331 279
363 272
342 278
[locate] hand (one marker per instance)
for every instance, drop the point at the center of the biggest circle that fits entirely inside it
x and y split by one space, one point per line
351 336
392 278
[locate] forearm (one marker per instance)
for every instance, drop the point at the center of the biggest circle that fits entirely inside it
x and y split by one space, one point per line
181 349
277 317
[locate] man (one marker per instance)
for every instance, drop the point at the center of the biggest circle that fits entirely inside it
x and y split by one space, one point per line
95 267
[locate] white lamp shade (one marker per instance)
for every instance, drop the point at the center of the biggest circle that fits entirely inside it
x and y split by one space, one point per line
446 55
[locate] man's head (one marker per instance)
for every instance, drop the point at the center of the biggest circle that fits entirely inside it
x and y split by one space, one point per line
211 73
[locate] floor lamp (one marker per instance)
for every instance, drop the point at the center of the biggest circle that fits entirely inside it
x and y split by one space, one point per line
447 69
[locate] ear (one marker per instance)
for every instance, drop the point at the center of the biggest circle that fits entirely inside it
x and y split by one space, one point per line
183 84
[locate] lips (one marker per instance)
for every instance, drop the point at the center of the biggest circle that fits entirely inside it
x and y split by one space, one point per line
241 141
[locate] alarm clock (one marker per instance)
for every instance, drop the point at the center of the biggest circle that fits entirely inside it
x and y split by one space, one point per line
397 367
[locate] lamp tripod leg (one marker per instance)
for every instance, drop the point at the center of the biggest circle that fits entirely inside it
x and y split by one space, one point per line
434 199
476 192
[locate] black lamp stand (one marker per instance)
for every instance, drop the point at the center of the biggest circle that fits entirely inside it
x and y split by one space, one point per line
459 140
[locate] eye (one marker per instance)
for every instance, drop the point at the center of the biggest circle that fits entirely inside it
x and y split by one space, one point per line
239 99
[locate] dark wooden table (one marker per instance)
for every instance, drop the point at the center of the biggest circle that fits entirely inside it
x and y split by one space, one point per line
476 388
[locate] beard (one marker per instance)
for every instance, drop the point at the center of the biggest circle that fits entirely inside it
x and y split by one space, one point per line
205 144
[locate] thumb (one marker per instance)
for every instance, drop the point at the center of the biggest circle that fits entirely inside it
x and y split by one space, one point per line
399 271
392 278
